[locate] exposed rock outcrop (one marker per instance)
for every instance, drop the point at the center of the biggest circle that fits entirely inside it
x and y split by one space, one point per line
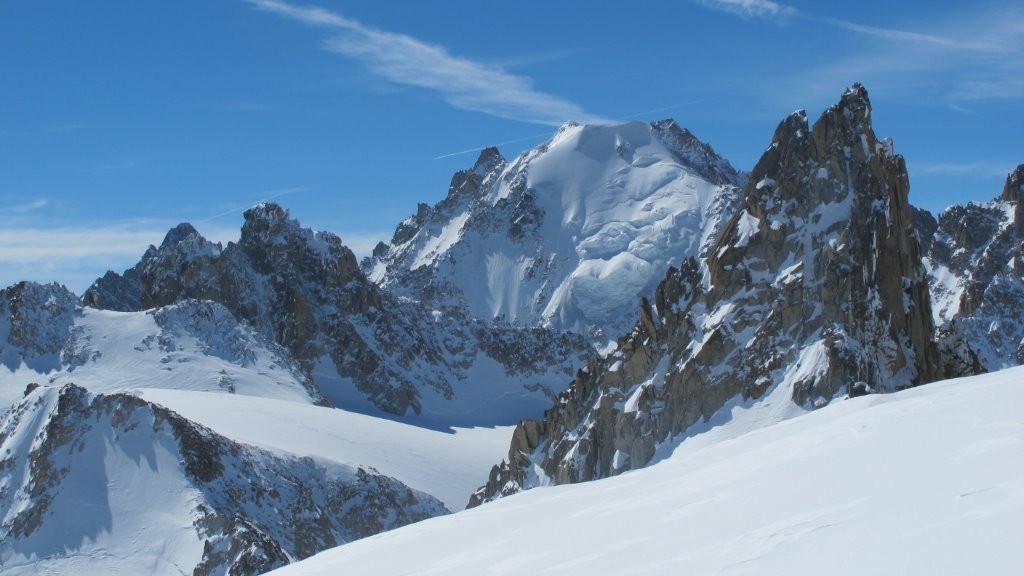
36 323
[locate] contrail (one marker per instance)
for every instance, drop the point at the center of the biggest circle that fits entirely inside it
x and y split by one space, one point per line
479 148
273 194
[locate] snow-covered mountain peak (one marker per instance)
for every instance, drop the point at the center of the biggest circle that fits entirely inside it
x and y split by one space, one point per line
975 258
569 235
269 229
489 159
355 345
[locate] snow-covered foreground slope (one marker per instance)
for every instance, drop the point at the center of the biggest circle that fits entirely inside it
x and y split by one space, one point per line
445 464
925 481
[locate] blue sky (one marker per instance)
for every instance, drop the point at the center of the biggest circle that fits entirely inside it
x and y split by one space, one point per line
119 119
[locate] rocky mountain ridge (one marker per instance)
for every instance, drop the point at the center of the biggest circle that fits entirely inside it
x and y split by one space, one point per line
360 346
976 259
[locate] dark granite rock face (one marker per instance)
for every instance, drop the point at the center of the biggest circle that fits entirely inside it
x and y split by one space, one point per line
36 322
1014 192
815 285
697 155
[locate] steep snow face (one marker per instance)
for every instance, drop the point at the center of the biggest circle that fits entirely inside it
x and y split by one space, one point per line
113 484
571 234
928 480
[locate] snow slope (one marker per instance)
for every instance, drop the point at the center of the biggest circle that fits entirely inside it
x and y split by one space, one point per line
929 480
194 345
446 464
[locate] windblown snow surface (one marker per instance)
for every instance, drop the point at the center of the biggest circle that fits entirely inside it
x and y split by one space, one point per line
929 480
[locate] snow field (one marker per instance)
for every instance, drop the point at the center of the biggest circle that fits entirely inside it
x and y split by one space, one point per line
448 465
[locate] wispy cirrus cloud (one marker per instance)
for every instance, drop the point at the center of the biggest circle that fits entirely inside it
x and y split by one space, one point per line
460 81
751 9
768 10
980 57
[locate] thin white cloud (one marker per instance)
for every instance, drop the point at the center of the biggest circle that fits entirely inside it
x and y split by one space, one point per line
266 196
891 34
987 169
965 60
463 83
768 10
28 206
751 9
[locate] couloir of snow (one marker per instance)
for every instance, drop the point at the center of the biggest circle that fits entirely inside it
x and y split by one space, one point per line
448 464
929 480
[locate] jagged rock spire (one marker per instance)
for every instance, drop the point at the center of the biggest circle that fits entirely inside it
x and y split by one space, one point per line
1013 191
